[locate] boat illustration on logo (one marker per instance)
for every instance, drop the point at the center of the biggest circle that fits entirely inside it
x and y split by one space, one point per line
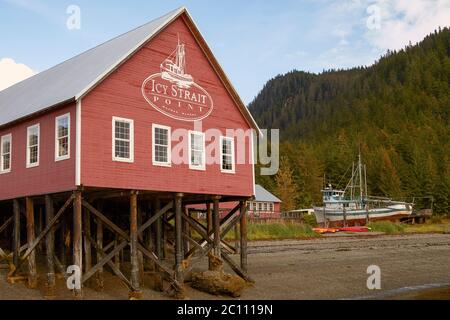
173 69
173 92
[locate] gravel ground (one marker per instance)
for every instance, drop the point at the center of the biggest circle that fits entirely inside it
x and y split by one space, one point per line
326 268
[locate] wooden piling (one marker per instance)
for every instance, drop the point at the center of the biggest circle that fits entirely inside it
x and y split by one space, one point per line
237 238
136 292
77 239
16 238
209 227
186 231
62 242
216 226
50 247
32 272
39 227
99 242
149 234
87 240
140 213
158 243
243 225
178 238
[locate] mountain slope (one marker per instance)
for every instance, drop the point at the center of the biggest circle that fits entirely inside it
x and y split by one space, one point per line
396 111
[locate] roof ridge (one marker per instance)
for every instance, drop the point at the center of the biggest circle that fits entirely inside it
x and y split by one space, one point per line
177 11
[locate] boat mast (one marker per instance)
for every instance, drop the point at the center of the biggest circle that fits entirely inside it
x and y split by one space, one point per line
365 181
352 187
360 176
177 56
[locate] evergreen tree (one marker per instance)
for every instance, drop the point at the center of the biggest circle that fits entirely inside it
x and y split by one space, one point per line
286 189
396 111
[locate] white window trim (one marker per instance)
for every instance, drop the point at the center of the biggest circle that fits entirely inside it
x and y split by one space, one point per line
3 138
233 166
192 166
33 165
57 157
131 122
169 146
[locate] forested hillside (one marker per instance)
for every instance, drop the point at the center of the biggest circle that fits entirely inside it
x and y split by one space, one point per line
396 111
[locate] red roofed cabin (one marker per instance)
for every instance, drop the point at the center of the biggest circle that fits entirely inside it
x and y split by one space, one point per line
122 134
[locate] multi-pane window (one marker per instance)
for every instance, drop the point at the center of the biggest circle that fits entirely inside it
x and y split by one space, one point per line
265 206
259 206
123 140
197 150
5 153
227 154
271 207
161 145
33 146
62 137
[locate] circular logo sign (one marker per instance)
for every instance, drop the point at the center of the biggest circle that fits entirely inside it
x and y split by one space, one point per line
174 92
180 102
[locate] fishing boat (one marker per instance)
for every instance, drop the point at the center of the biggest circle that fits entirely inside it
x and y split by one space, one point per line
173 69
354 207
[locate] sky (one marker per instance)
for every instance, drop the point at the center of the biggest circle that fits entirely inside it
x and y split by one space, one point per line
254 40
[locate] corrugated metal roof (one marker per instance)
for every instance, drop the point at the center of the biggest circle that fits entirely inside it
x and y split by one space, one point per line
74 77
264 195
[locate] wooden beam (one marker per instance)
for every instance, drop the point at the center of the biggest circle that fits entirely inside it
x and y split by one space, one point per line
99 242
87 240
186 230
155 217
156 207
104 258
6 224
32 272
209 227
77 239
178 238
50 247
62 242
243 225
216 226
135 272
16 236
107 259
235 267
113 227
44 233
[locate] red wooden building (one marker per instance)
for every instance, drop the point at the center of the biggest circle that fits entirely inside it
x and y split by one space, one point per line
123 134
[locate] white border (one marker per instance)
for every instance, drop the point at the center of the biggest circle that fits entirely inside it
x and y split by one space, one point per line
233 165
118 159
191 166
3 138
169 146
78 144
57 157
33 165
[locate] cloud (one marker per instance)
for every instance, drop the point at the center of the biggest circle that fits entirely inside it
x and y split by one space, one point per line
403 21
12 72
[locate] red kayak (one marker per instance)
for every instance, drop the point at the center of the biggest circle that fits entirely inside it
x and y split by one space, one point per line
355 229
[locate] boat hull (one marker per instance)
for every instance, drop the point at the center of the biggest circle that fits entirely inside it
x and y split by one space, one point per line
333 217
182 81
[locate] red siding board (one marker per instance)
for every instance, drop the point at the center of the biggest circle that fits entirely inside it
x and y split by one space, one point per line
50 176
120 95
